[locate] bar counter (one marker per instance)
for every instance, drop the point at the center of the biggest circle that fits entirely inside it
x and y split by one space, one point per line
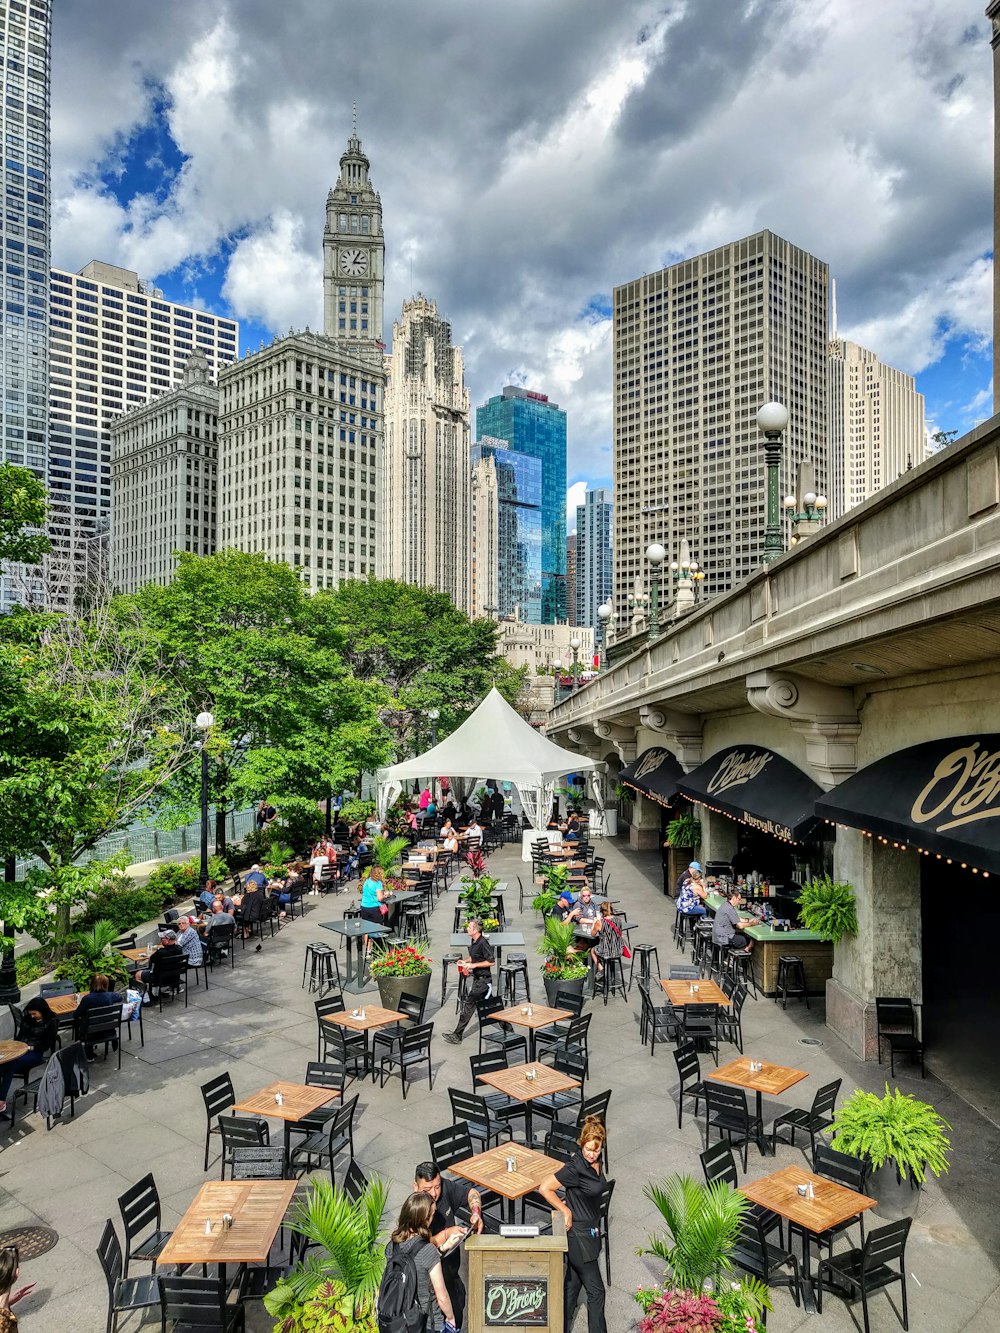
769 944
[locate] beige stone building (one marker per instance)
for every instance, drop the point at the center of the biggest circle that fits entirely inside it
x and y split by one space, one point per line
698 348
484 576
424 516
164 480
876 424
546 652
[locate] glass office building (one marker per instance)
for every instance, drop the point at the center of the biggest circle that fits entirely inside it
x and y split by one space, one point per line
519 528
536 428
25 47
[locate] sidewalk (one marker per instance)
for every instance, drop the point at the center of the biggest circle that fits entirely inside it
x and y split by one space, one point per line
256 1022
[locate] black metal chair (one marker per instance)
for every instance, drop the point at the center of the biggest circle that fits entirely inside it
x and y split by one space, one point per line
339 1038
689 1071
328 1143
812 1122
355 1181
220 941
569 1040
126 1295
452 1144
238 1133
201 1303
258 1163
169 978
560 1141
727 1111
718 1163
657 1022
730 1020
413 1007
494 1032
412 1051
896 1018
851 1173
549 1108
474 1111
755 1256
141 1213
858 1274
596 1105
101 1026
700 1023
604 1225
218 1095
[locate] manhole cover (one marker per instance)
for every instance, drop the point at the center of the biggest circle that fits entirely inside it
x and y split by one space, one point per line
810 1041
30 1241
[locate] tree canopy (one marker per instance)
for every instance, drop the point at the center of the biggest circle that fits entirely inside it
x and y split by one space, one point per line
23 506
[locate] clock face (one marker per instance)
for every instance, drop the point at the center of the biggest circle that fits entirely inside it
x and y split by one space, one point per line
353 262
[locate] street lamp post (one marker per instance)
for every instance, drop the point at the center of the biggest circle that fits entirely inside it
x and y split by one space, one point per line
556 678
204 722
772 419
434 714
606 615
574 644
655 554
10 992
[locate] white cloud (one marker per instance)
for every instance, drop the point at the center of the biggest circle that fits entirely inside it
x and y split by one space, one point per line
574 496
275 277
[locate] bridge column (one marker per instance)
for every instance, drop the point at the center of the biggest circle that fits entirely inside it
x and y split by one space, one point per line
644 830
886 955
718 836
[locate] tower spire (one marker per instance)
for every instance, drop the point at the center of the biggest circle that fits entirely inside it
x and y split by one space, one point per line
354 119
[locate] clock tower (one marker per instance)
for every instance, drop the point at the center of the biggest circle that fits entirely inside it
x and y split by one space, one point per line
353 253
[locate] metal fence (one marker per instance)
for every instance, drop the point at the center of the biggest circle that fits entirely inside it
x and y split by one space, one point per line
144 843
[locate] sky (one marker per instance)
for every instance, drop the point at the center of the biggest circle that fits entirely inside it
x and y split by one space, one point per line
533 154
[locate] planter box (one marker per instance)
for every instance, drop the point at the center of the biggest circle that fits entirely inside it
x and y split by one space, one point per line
572 987
896 1198
391 988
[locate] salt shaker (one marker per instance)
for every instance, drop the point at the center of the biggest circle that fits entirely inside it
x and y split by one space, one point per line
510 1163
279 1098
208 1226
812 1192
362 1015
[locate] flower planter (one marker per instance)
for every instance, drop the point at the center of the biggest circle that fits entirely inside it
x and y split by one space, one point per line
896 1198
391 988
573 986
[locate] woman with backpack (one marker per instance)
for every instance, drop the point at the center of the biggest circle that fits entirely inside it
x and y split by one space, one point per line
413 1277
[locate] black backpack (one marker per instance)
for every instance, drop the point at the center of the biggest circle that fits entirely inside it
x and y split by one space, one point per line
398 1309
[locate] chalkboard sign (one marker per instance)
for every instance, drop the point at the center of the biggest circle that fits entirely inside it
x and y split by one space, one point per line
516 1301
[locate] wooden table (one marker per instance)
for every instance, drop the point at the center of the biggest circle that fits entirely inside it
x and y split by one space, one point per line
63 1004
353 929
541 1016
297 1100
513 1083
500 939
678 992
138 955
831 1205
375 1017
257 1208
772 1079
489 1170
10 1050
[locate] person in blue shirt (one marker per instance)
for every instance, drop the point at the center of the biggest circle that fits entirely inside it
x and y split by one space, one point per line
255 877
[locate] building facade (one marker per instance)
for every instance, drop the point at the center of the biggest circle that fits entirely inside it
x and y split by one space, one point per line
594 570
424 480
484 576
116 344
353 253
535 427
164 480
25 44
698 348
876 424
571 579
545 651
519 529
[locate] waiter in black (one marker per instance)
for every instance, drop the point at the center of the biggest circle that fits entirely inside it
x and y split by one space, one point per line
479 970
450 1196
583 1183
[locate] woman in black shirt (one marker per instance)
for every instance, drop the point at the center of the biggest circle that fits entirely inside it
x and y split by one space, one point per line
583 1182
38 1030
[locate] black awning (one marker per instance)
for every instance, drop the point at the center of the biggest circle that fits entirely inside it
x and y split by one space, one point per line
757 787
655 773
942 797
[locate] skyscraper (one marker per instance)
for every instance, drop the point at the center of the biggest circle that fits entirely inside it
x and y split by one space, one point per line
876 424
484 579
571 579
698 348
25 45
424 477
594 572
300 422
519 529
536 428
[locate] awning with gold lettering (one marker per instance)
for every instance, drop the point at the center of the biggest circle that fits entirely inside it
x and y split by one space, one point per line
942 797
758 787
655 773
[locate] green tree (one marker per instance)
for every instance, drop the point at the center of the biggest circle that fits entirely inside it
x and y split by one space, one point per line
240 636
22 507
427 653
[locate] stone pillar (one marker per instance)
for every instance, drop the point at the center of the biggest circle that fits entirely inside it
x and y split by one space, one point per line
718 836
886 957
644 830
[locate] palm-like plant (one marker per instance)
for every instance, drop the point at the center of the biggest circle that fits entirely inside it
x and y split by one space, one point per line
387 851
561 959
703 1222
92 953
351 1248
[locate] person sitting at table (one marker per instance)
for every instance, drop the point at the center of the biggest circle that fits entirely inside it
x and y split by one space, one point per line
449 811
474 830
450 843
572 830
478 968
728 926
254 878
319 861
692 894
565 905
161 961
189 940
99 996
412 1236
446 828
582 1181
209 892
38 1031
221 915
10 1268
450 1195
685 875
585 910
609 943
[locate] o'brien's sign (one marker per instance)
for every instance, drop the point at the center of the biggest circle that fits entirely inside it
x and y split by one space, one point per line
737 769
965 785
518 1301
649 763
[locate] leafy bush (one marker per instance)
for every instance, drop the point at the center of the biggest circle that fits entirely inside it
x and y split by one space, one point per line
92 953
356 811
124 908
299 822
328 1310
828 908
895 1128
703 1222
31 965
562 962
174 879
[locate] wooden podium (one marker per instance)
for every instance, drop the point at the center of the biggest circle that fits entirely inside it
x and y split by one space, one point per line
516 1283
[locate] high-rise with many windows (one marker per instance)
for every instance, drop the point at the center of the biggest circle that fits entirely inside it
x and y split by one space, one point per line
424 477
698 348
518 530
594 574
536 428
24 230
115 344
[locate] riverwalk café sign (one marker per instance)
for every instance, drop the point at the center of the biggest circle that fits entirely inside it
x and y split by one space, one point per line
516 1302
758 787
942 797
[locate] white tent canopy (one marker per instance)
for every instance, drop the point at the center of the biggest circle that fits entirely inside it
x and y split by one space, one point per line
493 742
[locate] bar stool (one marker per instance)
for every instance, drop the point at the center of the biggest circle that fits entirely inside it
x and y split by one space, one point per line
611 979
740 966
446 962
415 922
508 973
643 952
321 964
720 952
791 980
702 944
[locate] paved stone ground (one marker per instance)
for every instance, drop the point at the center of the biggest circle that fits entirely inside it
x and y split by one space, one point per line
256 1022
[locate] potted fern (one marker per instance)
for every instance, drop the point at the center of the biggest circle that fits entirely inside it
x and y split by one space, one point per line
900 1138
828 907
556 883
564 969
